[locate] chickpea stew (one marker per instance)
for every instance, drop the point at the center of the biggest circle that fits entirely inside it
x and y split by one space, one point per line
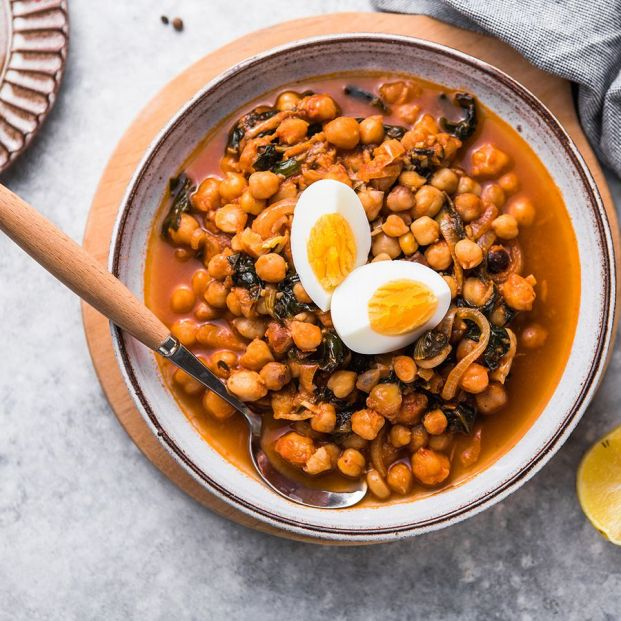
444 183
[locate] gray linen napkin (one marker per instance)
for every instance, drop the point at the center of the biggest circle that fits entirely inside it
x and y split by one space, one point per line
579 40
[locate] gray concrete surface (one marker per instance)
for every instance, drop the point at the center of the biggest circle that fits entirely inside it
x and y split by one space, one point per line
90 530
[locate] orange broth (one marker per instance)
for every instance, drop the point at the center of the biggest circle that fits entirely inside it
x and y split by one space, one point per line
550 253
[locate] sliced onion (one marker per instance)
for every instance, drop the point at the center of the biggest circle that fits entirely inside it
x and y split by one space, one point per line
377 457
452 381
438 359
500 374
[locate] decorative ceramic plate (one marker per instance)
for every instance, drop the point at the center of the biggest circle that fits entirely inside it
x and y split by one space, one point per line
33 47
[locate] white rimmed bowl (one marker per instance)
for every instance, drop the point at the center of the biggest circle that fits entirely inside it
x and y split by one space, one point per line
594 332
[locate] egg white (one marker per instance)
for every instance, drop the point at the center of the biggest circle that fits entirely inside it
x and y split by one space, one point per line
326 196
350 302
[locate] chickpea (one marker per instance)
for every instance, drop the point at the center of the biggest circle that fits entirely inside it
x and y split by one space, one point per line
430 467
534 336
419 438
398 92
264 184
233 303
200 280
324 419
320 108
367 423
251 205
435 422
399 436
351 463
405 368
492 399
216 406
275 375
523 210
467 185
468 253
429 201
204 312
323 459
494 194
377 485
257 355
394 226
400 198
300 294
445 180
295 448
468 206
408 244
412 407
505 226
306 336
475 379
343 132
216 293
219 267
207 197
452 284
246 385
442 442
382 256
385 399
221 362
287 100
214 336
438 256
465 347
408 112
476 292
399 479
232 186
412 180
185 230
182 299
271 267
372 202
372 130
488 161
341 383
509 183
292 131
250 328
425 230
518 293
231 218
382 244
185 331
187 382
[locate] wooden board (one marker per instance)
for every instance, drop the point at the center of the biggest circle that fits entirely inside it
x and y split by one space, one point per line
554 92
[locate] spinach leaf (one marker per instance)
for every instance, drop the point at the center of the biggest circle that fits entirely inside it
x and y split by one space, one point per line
330 355
267 157
244 273
314 128
284 304
498 346
180 189
460 417
394 131
430 344
466 127
356 92
246 122
287 168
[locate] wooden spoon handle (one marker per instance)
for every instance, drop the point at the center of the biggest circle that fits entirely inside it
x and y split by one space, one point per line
77 269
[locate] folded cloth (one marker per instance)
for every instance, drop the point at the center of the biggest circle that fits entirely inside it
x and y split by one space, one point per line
579 40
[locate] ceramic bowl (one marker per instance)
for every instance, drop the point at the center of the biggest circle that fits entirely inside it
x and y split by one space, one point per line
360 52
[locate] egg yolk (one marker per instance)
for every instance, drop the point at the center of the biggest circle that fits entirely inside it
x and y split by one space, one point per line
331 250
400 306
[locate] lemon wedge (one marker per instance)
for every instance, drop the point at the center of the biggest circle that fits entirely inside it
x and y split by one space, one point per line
599 486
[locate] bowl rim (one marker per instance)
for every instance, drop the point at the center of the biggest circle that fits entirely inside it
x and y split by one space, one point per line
563 429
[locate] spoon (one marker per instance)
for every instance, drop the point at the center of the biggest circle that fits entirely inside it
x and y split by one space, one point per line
73 266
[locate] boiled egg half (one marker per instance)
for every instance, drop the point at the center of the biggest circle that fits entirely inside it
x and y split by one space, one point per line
384 306
330 237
